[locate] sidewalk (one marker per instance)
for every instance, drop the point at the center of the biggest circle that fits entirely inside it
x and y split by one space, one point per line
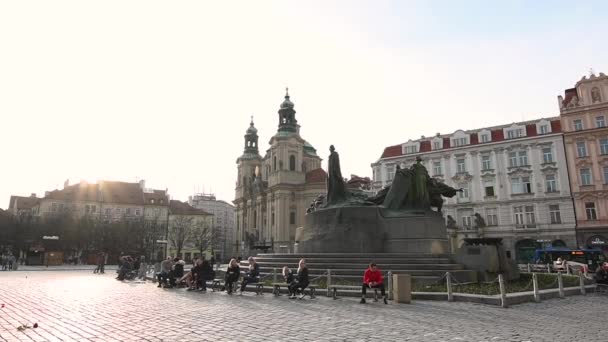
64 268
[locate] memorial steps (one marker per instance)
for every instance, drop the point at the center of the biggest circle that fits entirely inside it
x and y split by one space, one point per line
349 267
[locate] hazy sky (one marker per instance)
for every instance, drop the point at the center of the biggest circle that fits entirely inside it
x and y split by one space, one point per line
163 91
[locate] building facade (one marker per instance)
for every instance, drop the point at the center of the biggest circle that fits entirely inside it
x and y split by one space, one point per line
273 192
584 111
191 228
514 183
223 223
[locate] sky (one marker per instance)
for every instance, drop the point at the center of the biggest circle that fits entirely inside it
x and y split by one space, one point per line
164 91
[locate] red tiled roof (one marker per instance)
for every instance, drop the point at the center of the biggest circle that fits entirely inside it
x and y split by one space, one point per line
316 176
498 135
425 146
182 208
569 94
556 126
531 130
391 151
446 143
23 202
474 139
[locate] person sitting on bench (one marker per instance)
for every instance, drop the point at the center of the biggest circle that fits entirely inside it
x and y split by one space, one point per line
253 274
232 275
601 274
288 277
373 279
190 277
177 272
165 269
125 268
202 272
301 281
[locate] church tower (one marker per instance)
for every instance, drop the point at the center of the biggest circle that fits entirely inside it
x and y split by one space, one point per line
287 115
249 161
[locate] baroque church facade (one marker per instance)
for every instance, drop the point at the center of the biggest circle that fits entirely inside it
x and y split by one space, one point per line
273 192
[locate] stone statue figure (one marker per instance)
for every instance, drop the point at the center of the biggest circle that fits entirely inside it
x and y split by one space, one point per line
451 222
479 221
413 188
336 192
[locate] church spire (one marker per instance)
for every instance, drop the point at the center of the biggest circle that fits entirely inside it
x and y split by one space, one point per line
287 115
251 139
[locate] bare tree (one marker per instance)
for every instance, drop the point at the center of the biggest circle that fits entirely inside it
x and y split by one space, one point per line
180 229
203 236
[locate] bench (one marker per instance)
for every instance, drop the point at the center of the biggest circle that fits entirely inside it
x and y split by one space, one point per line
350 288
601 288
217 284
259 287
312 289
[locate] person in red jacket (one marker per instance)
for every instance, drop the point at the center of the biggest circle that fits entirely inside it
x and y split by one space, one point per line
373 279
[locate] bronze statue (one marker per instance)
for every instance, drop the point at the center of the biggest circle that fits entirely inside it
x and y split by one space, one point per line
336 192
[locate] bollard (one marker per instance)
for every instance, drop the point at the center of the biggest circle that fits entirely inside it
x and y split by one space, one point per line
390 285
581 279
328 282
548 268
560 284
274 275
402 288
448 284
535 284
529 268
503 291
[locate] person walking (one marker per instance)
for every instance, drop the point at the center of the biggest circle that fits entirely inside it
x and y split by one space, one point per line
373 279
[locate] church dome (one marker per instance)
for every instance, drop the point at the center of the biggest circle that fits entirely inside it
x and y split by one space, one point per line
287 104
252 129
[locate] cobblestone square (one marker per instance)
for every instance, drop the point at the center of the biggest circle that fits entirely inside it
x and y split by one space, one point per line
81 306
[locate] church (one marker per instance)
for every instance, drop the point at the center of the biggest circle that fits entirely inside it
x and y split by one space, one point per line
274 191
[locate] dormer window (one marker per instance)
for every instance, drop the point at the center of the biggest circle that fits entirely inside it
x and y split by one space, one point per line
460 141
484 136
543 127
410 147
515 133
437 143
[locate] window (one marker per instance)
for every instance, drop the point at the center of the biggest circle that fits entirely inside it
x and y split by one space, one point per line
604 146
515 133
108 211
550 183
489 190
554 214
460 165
521 185
292 217
436 145
547 155
519 216
464 194
484 138
137 212
460 141
581 149
590 211
467 221
524 216
486 163
578 125
437 168
272 219
491 217
411 149
128 211
523 158
530 219
585 176
605 174
274 163
544 129
512 159
292 163
600 121
93 208
118 211
390 172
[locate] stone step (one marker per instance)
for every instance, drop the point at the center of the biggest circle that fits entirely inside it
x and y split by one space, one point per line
354 255
358 271
361 267
365 261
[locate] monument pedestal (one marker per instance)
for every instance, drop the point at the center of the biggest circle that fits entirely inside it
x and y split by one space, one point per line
371 229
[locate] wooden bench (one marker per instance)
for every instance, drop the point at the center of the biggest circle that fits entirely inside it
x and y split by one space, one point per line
259 287
350 288
217 284
312 289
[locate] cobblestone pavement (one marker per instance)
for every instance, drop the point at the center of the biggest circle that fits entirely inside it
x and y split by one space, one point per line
81 306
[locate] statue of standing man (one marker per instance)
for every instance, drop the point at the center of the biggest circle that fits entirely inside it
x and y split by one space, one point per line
336 192
419 197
